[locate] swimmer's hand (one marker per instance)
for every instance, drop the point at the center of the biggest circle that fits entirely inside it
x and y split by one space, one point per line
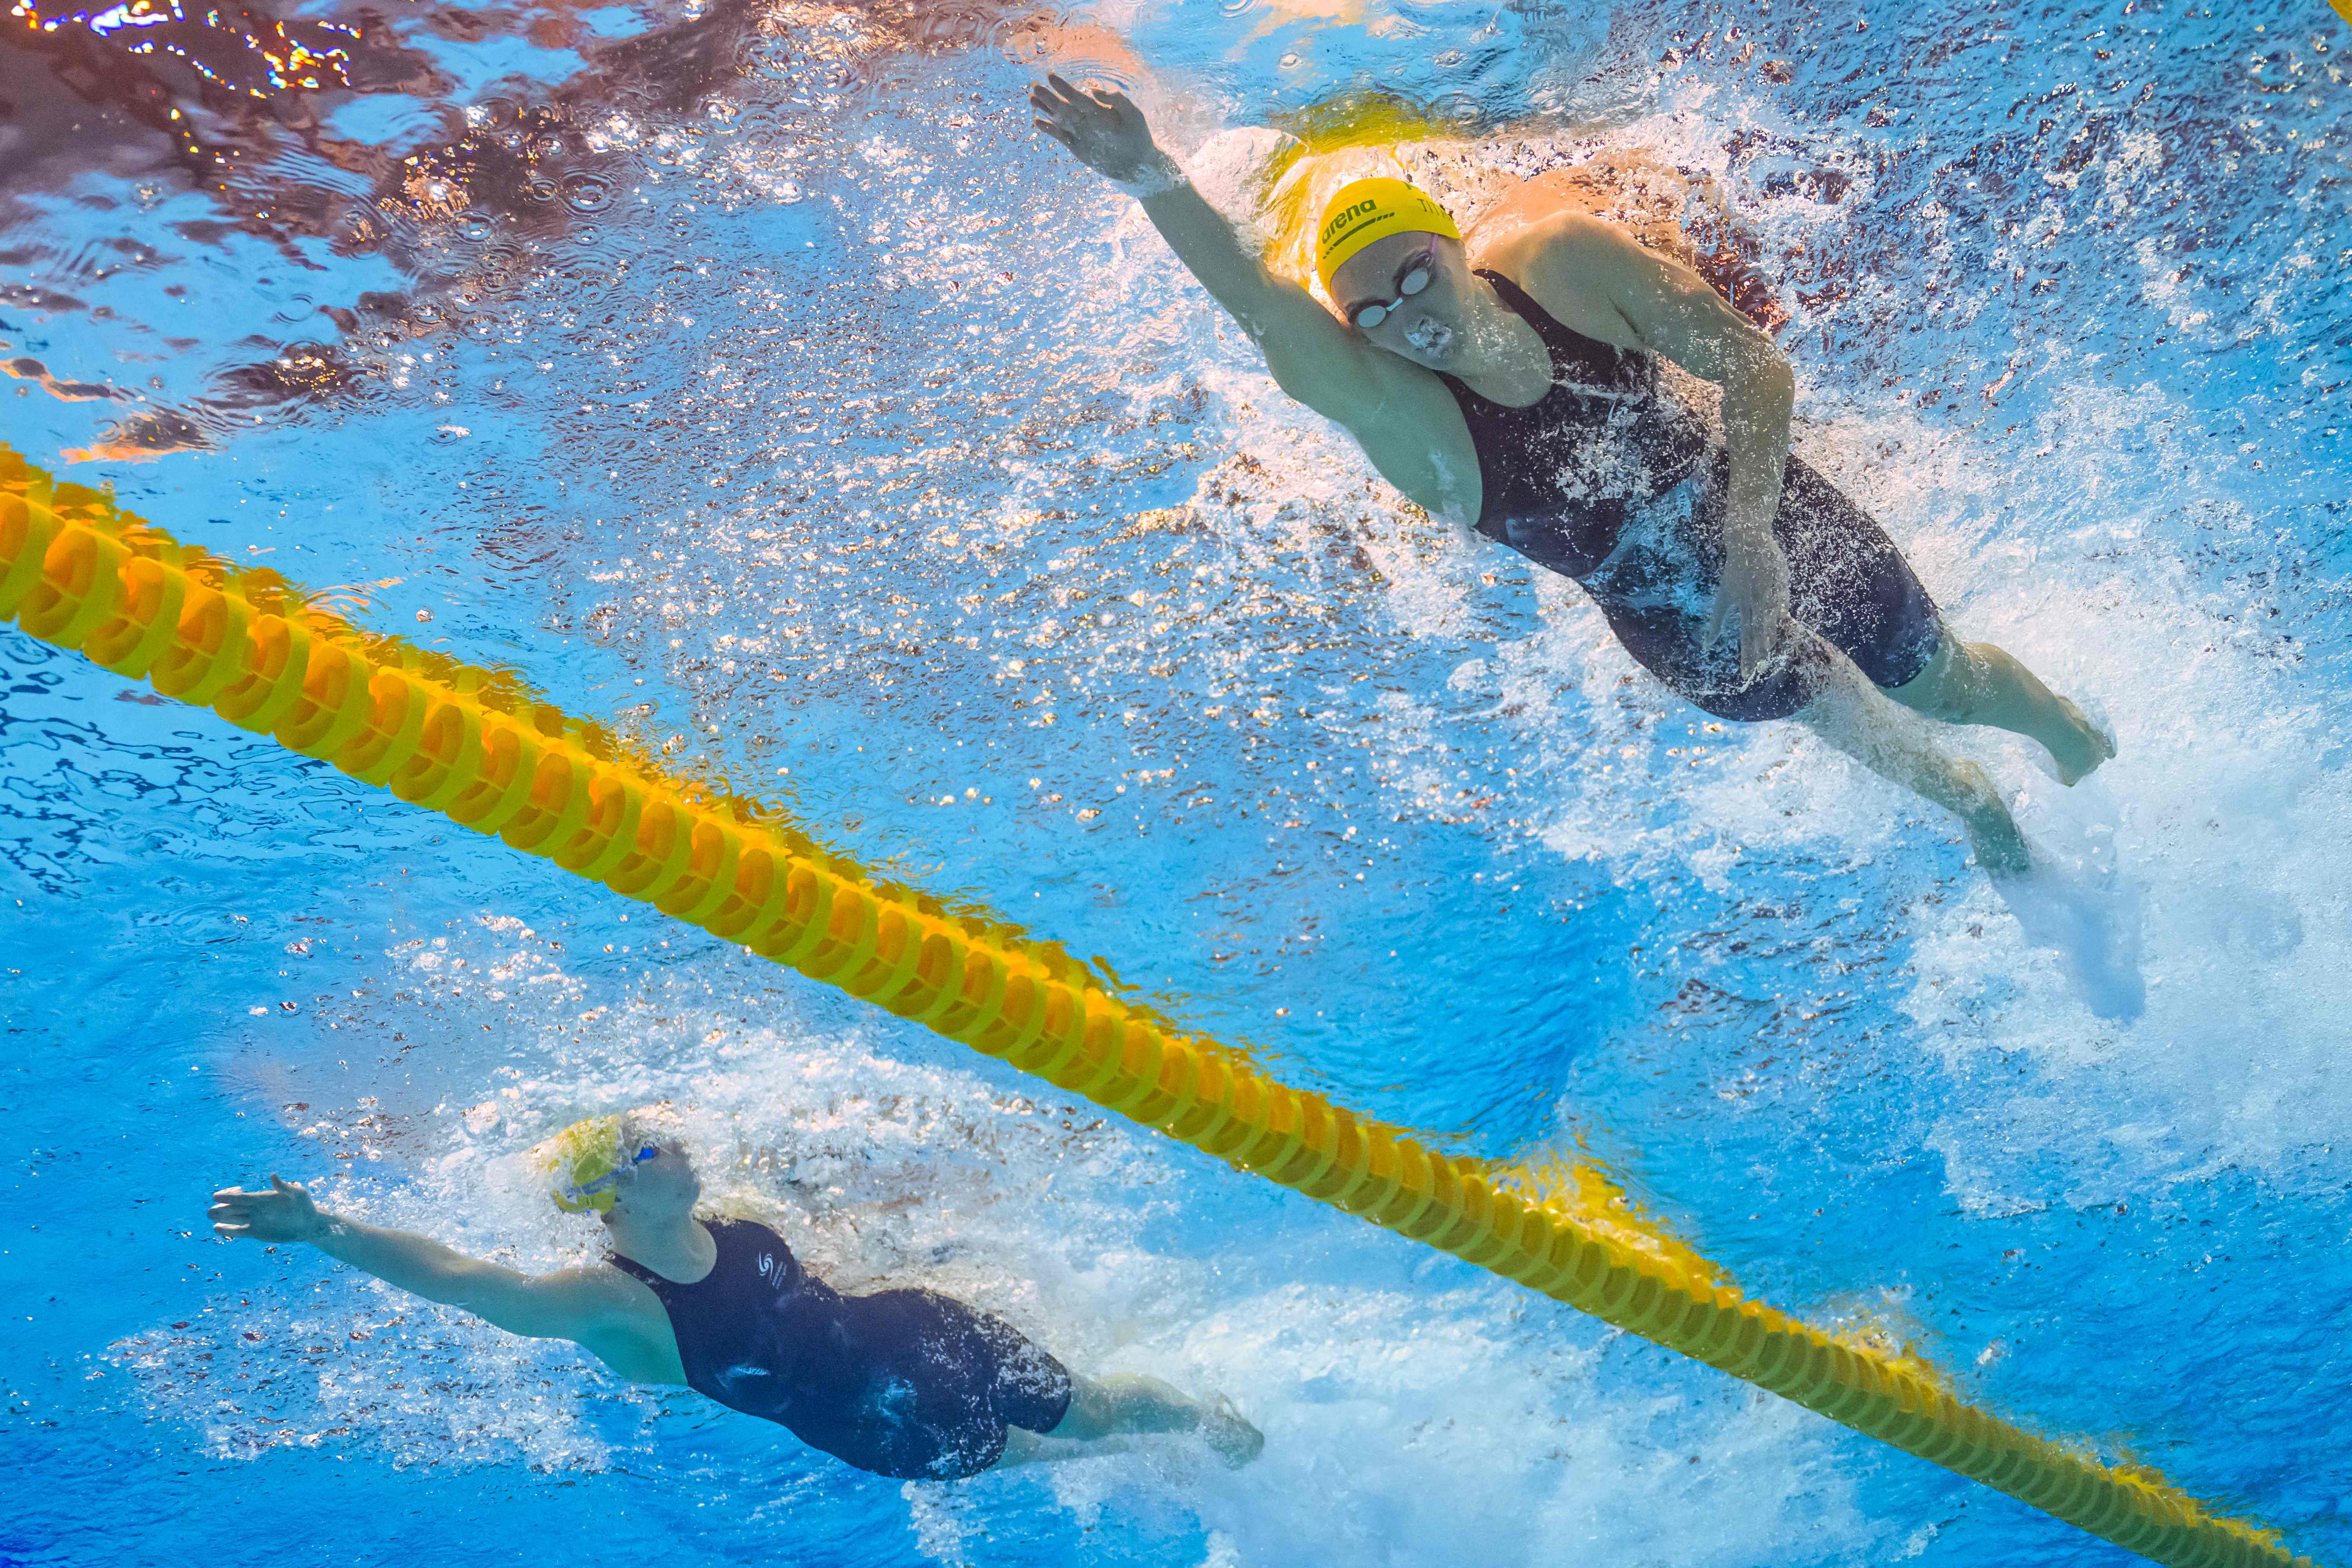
1756 586
284 1213
1106 132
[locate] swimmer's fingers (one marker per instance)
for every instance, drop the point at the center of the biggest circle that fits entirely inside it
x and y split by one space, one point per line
1765 624
1056 131
279 1191
1049 109
1056 112
1061 93
1754 586
1715 622
1757 647
1070 100
1061 84
284 1213
1756 642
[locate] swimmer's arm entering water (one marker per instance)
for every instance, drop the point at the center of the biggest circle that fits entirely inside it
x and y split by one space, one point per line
595 1307
1388 405
1598 279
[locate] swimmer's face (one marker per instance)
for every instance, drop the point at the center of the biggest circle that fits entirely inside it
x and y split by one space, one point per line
658 1188
1407 293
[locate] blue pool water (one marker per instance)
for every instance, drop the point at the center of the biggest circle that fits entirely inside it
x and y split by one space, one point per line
749 376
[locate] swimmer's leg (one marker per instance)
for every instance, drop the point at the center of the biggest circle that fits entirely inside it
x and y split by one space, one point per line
1104 1412
1856 718
1977 683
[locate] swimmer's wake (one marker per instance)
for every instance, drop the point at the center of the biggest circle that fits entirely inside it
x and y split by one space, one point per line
2076 901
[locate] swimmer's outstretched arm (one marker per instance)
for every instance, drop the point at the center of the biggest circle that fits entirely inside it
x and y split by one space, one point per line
592 1305
1387 403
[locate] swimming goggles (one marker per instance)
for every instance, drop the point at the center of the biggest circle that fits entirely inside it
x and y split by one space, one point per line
1415 275
589 1189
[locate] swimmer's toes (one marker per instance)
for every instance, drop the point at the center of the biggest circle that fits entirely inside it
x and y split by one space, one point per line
1236 1442
1993 834
2093 746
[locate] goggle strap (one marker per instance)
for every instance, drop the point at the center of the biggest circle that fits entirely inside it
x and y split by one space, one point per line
589 1189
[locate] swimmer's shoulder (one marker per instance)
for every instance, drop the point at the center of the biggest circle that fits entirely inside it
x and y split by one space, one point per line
617 1318
595 1305
602 1295
1531 219
1574 264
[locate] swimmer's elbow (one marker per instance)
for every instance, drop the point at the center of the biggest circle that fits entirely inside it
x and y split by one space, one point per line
1753 360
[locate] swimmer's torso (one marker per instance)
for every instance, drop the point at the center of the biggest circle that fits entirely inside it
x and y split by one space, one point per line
1562 416
1558 477
1609 479
900 1383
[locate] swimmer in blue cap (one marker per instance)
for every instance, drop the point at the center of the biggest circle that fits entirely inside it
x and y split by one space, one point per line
1508 380
902 1382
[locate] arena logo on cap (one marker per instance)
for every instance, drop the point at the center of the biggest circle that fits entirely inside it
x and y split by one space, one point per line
1342 219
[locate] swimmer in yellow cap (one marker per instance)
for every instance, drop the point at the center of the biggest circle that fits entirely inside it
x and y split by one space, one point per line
903 1383
1509 380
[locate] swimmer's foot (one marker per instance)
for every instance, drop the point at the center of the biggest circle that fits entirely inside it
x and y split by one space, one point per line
1234 1440
1993 833
2081 748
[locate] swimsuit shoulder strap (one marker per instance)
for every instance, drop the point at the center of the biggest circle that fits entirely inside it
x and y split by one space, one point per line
635 1269
1522 303
1575 358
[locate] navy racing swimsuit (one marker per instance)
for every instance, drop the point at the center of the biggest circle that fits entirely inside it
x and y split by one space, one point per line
1610 482
907 1384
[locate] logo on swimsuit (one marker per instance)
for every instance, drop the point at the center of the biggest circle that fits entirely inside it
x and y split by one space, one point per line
775 1273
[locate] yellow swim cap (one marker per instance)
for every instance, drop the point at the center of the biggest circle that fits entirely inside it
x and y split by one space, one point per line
582 1165
1365 210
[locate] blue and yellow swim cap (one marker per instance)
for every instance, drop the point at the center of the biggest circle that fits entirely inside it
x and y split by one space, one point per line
1362 211
584 1164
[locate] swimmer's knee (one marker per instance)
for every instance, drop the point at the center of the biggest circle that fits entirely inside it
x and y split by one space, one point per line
1094 1408
1947 686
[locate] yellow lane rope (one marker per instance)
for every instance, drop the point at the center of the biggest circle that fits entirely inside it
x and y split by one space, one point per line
76 572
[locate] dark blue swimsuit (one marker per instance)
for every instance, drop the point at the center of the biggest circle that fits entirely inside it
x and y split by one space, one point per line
902 1382
1608 482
